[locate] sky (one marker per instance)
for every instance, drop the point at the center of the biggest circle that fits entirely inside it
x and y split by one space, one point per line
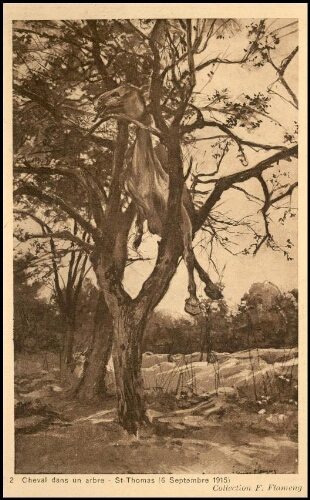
239 274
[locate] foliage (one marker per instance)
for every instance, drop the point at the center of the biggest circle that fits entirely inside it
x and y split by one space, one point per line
167 334
266 318
37 322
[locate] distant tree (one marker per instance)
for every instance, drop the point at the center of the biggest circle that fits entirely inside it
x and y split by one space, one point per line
288 305
216 328
36 321
267 317
171 334
61 267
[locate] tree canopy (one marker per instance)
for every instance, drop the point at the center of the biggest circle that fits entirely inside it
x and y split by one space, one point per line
63 162
221 105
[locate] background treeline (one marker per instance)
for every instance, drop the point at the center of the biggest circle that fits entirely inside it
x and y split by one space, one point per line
264 318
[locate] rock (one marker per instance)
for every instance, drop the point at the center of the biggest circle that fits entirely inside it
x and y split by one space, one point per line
276 418
276 355
246 354
149 359
205 381
224 392
192 358
179 427
179 359
153 415
41 393
56 388
150 380
33 407
262 412
287 369
222 355
184 421
228 367
194 421
195 409
99 416
31 424
230 374
60 423
37 384
218 408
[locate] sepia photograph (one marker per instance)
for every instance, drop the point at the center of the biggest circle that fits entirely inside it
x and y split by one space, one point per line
155 301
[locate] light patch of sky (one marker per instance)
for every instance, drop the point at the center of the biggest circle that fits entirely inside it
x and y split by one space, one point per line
239 272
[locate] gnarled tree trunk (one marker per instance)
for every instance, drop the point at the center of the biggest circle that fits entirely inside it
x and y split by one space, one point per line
130 315
92 386
127 361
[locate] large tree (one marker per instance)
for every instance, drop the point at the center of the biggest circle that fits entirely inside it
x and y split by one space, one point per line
66 161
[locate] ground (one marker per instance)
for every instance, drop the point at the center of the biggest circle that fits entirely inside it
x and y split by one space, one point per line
219 432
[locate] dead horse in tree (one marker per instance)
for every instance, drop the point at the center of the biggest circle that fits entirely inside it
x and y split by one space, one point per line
147 183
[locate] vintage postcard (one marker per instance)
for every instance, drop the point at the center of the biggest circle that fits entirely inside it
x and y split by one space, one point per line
155 250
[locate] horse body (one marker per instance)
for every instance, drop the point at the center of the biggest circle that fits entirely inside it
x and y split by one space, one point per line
146 181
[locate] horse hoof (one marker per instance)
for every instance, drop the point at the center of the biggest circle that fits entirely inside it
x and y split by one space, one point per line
192 308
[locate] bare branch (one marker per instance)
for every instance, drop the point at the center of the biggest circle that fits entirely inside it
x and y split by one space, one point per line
251 49
224 183
288 192
280 71
211 289
267 204
209 35
190 57
29 190
156 80
39 221
188 89
63 235
27 168
284 64
201 123
248 195
136 30
58 117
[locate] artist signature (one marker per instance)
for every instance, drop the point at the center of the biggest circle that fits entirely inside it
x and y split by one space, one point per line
255 470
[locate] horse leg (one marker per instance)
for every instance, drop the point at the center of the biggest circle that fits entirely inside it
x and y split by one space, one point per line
192 303
139 230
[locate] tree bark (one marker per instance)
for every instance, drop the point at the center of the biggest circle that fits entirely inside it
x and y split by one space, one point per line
127 360
92 386
130 315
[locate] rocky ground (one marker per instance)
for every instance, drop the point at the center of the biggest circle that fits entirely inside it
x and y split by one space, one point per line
236 414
